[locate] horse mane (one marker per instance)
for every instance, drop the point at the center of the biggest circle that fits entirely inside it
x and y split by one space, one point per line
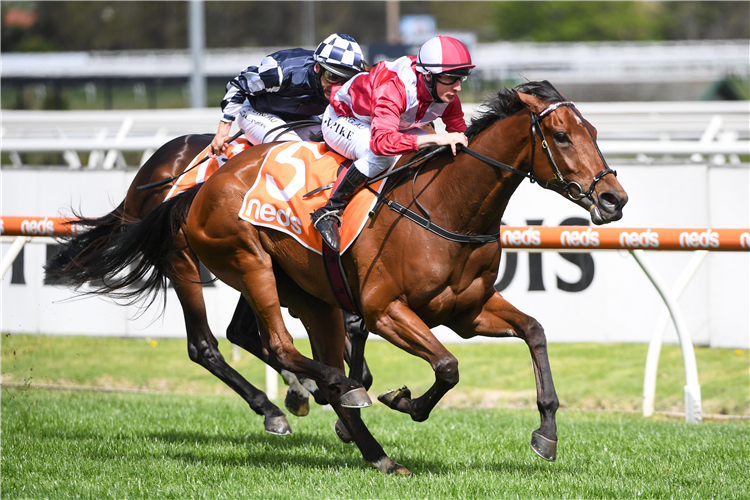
507 103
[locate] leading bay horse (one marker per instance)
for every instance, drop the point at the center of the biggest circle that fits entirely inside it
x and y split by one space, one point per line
405 279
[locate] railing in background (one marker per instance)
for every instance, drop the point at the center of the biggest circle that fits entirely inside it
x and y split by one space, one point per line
719 129
540 238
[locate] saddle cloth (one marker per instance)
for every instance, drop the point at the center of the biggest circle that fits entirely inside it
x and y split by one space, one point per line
291 170
199 174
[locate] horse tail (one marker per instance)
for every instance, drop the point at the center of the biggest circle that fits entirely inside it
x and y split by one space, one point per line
121 257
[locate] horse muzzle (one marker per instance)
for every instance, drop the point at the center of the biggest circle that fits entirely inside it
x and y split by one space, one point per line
607 207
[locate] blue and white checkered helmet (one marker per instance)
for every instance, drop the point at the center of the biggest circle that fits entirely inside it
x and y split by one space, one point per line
340 54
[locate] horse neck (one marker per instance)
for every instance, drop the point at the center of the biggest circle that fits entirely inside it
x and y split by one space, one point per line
468 195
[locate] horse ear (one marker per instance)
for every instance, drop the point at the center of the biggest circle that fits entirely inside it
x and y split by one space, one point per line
534 104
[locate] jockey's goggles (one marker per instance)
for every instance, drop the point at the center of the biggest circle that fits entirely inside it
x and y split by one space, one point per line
333 79
448 79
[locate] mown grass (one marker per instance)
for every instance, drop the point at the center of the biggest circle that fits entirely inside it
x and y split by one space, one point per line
195 439
62 444
587 376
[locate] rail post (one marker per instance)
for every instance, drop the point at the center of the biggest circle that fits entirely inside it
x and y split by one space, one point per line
693 409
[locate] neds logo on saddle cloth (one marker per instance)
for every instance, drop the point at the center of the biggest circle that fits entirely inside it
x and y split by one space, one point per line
291 170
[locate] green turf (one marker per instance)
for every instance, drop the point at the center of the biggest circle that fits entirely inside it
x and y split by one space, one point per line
587 376
62 444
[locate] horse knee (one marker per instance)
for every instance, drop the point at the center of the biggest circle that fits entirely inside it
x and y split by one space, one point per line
204 353
446 370
534 334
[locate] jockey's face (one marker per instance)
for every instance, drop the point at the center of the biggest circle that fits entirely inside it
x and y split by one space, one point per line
328 80
447 87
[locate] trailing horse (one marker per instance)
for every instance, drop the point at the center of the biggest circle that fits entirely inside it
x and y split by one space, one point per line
101 256
404 278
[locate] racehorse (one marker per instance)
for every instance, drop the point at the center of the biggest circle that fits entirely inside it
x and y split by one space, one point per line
83 259
405 279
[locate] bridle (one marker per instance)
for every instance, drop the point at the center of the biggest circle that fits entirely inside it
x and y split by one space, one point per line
559 183
572 189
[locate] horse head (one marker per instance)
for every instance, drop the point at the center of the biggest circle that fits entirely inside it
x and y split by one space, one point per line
571 163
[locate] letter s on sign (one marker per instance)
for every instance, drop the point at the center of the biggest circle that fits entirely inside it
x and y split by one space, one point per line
298 182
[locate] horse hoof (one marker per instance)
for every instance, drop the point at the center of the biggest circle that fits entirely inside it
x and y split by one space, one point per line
392 397
356 398
341 432
545 448
278 426
388 466
296 403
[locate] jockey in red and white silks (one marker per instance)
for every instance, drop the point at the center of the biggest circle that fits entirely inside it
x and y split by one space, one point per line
377 116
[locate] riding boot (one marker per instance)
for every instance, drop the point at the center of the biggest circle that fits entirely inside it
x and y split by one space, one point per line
327 219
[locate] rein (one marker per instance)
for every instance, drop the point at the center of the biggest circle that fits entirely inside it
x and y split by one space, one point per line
151 185
571 188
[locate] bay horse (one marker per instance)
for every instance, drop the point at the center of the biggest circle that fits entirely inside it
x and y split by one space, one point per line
86 258
405 279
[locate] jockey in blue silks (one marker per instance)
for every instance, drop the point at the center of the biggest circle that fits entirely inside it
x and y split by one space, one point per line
288 85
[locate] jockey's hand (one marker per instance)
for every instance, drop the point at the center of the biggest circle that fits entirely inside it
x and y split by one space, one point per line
219 143
449 139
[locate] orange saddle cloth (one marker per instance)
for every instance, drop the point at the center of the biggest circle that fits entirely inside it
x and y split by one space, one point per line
193 176
291 170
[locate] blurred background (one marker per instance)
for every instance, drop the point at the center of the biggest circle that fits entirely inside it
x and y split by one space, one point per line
136 55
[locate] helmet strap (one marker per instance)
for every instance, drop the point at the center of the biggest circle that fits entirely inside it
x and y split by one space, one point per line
431 85
318 84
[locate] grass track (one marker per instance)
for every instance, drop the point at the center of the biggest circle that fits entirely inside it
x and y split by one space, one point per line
197 440
587 376
60 444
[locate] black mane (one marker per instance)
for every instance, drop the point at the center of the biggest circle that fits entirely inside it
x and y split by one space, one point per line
506 103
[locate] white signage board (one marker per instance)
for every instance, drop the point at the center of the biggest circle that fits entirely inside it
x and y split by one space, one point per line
587 297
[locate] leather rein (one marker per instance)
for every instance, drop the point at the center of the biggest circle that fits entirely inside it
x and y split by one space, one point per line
559 183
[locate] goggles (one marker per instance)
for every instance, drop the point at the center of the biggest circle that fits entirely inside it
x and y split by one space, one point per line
333 79
446 79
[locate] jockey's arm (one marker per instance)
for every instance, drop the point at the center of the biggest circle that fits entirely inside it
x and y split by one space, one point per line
219 143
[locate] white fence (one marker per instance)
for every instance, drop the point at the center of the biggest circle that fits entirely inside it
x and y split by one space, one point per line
645 130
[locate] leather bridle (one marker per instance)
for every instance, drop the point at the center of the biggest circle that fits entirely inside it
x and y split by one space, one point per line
572 189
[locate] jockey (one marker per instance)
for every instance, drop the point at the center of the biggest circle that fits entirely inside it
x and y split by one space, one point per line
376 116
289 85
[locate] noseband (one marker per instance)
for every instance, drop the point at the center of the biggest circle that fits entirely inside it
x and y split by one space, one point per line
572 189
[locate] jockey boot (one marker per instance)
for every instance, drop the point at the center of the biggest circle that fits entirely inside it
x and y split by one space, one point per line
327 219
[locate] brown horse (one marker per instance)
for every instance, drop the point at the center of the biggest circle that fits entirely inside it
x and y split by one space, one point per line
86 259
405 279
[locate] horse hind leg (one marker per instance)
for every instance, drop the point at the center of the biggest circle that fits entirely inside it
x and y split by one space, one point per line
498 318
203 346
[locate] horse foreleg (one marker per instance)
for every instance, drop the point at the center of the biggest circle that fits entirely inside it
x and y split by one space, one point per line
243 331
403 328
354 353
498 318
203 346
258 286
328 338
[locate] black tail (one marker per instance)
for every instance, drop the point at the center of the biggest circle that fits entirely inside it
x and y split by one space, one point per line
122 258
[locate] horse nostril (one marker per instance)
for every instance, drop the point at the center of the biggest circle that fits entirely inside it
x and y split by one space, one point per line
611 200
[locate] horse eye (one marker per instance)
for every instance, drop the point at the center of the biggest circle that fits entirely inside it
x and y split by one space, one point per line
561 137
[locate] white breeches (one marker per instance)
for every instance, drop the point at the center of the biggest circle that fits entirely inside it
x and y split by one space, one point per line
257 125
350 137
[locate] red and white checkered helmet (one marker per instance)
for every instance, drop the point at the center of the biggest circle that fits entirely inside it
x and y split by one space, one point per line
444 54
